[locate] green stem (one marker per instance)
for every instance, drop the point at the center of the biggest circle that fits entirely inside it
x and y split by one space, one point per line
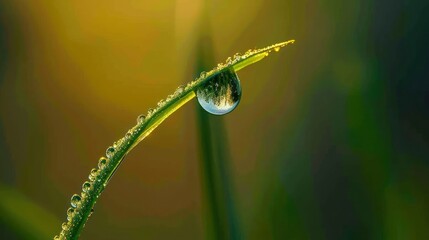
82 205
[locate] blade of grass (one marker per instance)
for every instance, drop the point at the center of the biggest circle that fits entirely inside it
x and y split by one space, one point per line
82 205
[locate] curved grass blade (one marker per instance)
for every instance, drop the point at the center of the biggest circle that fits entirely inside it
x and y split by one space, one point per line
82 205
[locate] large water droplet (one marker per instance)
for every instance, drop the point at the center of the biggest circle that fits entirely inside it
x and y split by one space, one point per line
75 200
221 93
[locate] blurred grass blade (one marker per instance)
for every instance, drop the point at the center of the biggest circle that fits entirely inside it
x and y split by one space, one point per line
220 214
215 160
25 218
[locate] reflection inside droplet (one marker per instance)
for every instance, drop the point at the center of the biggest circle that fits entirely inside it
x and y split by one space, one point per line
221 93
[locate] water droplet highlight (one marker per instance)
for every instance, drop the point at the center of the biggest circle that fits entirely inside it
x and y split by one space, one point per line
221 93
75 200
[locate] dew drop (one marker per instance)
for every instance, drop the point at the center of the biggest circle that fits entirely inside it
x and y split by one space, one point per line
86 186
65 226
93 175
150 112
237 57
70 213
221 93
178 91
277 49
75 200
102 162
141 118
110 151
229 60
169 97
128 134
161 103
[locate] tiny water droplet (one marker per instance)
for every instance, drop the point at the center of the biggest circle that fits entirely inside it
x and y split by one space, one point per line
102 162
237 57
110 151
150 112
93 175
161 103
75 200
128 134
86 186
70 213
90 213
94 172
141 118
65 226
229 60
277 49
169 97
221 93
190 85
178 91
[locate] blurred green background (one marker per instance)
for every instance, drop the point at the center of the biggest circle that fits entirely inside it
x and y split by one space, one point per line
330 140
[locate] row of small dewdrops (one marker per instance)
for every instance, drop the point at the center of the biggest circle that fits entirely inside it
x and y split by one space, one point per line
76 199
229 62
